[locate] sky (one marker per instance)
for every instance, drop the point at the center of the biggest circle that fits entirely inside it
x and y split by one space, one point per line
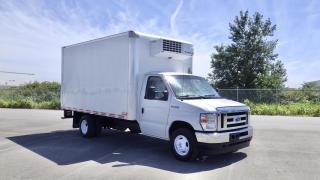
33 32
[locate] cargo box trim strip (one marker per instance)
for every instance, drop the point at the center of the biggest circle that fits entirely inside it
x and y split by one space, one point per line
123 115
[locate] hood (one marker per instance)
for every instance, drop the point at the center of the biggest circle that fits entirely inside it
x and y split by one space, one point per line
212 104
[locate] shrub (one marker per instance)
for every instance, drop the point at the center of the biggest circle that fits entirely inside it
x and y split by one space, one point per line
21 103
305 108
44 95
48 105
4 103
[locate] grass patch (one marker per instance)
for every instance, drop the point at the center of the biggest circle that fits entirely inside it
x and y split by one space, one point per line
54 104
293 109
29 104
44 95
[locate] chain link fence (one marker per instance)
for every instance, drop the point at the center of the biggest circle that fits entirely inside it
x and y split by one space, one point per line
48 96
282 96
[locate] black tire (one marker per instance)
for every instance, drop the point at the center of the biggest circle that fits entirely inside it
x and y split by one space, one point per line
122 129
192 143
98 128
134 131
89 127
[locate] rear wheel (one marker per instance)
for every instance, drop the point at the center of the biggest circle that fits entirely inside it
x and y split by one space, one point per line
134 130
184 144
89 127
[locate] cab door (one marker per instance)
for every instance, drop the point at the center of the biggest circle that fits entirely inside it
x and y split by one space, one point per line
154 107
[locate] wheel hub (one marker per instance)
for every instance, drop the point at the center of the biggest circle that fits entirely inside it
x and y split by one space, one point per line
181 145
84 126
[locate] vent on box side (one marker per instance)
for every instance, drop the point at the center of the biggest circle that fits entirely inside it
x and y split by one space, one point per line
171 49
172 46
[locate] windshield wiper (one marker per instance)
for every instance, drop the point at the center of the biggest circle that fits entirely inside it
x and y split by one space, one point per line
211 96
187 97
208 96
184 96
191 97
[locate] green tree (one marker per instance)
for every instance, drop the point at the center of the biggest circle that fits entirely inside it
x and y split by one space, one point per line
249 61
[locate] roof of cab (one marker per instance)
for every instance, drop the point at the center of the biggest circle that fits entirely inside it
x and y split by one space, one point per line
167 73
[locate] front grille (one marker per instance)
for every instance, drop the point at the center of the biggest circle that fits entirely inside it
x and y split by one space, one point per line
172 46
232 120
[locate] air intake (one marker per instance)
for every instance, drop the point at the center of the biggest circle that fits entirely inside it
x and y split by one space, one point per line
172 46
171 49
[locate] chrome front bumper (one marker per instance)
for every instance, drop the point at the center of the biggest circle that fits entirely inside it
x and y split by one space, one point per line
224 137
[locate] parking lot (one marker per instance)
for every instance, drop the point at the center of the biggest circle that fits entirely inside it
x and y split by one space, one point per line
38 144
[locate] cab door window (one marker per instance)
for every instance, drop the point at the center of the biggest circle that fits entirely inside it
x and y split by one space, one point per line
156 89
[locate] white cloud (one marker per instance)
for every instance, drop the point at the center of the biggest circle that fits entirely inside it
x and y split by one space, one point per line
32 35
32 38
173 18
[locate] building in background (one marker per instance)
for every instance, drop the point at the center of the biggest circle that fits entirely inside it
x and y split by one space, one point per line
15 78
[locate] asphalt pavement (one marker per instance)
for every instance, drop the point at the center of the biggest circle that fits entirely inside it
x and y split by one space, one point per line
38 144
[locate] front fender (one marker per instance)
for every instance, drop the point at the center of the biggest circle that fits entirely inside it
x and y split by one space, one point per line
191 118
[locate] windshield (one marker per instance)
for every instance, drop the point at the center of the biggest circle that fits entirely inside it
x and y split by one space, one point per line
191 87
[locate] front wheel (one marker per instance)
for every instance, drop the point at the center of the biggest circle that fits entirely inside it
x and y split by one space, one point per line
184 144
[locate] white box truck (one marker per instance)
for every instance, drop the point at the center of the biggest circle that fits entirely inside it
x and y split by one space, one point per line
144 83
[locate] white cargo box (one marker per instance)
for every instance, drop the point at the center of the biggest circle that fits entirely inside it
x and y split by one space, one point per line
104 76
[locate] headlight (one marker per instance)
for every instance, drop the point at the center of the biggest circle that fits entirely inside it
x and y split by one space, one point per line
208 121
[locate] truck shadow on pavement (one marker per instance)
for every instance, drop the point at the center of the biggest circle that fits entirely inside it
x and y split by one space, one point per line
120 149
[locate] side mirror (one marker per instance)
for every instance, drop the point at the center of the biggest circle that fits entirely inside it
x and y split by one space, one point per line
161 95
151 92
165 95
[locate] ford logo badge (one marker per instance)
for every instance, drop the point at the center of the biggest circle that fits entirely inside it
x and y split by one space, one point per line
238 119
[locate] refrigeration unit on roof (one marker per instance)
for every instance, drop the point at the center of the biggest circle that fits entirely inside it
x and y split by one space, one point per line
171 49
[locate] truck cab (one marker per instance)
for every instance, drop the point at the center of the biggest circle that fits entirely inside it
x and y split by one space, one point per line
187 111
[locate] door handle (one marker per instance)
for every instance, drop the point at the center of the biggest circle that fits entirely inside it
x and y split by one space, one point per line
142 110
